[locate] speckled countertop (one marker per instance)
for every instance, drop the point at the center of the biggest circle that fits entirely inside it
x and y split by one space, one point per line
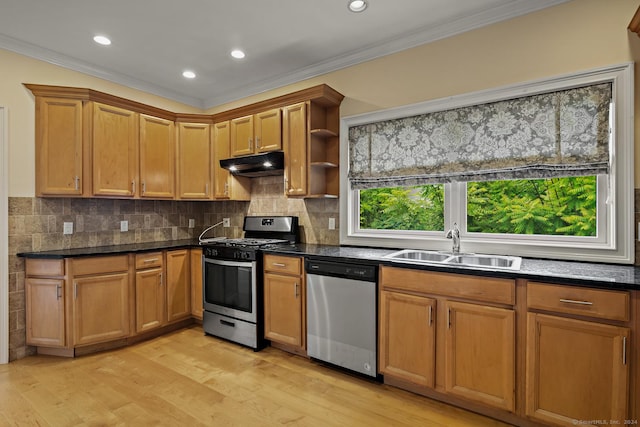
609 276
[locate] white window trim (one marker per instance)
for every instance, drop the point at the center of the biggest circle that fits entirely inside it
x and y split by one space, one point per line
620 246
4 242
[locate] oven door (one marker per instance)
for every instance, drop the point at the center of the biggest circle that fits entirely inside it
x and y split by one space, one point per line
229 288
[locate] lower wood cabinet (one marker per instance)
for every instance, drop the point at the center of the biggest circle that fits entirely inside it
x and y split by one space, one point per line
431 336
284 301
100 307
576 370
197 303
480 354
150 291
407 337
83 304
178 288
45 312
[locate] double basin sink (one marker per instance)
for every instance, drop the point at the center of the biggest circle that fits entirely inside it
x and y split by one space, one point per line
491 262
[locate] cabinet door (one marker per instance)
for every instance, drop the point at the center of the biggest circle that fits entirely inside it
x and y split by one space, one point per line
194 161
150 298
283 309
407 337
221 141
196 283
294 139
114 147
242 136
45 312
100 308
268 131
178 286
480 354
157 158
575 370
58 147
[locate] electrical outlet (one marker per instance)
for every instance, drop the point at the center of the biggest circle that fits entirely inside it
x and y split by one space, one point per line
192 223
124 225
67 228
226 222
332 223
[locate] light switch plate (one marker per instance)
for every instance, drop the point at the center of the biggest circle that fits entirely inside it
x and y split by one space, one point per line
332 223
226 222
192 223
124 225
67 228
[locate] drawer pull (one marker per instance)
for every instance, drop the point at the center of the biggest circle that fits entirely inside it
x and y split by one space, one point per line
279 264
572 301
150 260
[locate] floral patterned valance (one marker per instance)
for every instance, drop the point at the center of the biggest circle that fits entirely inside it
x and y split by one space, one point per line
564 133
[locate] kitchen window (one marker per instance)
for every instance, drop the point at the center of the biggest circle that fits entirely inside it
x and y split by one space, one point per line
551 209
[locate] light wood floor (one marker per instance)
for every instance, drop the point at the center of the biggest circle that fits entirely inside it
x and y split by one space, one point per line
188 379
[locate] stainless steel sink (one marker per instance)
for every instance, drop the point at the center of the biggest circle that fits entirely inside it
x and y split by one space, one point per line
491 262
419 255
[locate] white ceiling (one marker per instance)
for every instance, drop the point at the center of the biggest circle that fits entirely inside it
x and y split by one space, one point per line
285 41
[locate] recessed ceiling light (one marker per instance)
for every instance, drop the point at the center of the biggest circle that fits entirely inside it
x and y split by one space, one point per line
237 53
357 5
189 74
103 40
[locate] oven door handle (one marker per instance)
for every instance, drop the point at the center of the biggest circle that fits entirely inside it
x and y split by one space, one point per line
229 263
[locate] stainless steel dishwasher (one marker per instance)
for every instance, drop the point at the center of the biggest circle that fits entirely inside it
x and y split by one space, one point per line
341 314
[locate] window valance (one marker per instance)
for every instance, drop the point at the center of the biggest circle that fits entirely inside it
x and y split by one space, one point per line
563 133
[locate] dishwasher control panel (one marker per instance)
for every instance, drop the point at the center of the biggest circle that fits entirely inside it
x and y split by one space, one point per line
367 273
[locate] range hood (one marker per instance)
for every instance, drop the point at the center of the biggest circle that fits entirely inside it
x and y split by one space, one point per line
265 164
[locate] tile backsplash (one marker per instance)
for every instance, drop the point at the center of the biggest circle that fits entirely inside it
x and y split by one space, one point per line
36 224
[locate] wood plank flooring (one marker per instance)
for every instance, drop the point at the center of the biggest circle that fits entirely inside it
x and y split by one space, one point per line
189 379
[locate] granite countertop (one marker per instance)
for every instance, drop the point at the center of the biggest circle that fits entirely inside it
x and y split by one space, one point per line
608 276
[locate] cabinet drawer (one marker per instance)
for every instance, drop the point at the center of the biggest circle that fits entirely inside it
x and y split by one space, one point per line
148 260
44 267
97 265
485 289
604 304
283 264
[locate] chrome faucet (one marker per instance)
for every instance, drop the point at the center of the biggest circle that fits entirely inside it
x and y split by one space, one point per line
454 234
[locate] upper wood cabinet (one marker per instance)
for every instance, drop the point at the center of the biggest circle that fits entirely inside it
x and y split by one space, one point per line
114 151
92 144
312 149
157 158
256 133
295 149
194 161
59 147
226 185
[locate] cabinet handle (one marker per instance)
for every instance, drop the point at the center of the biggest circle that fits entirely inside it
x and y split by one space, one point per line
160 279
133 187
226 189
295 289
449 318
250 144
148 260
76 180
624 350
278 264
144 187
258 142
75 290
206 189
430 311
572 301
58 292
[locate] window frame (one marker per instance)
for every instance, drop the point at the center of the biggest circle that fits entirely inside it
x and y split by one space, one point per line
616 246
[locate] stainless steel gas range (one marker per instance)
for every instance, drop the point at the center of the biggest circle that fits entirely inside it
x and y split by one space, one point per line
232 279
